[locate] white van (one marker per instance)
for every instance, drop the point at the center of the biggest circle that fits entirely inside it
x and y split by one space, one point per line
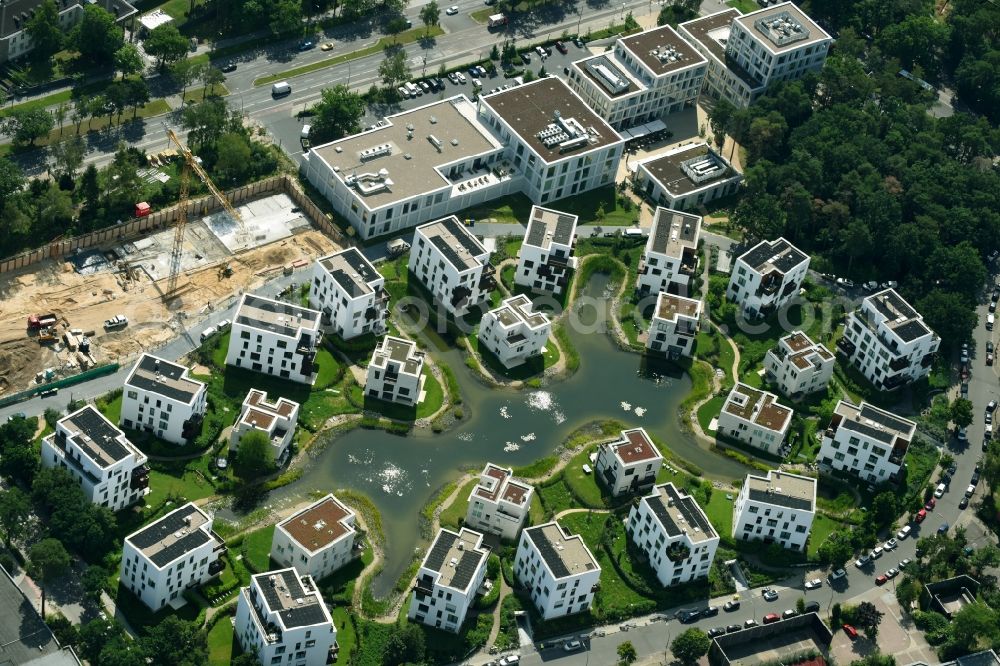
207 333
990 320
634 232
305 131
280 89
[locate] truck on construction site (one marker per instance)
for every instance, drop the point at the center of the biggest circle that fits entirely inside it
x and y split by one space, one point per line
496 21
118 321
37 321
47 335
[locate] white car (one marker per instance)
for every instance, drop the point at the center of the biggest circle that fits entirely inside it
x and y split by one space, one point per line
969 491
451 11
877 553
814 583
572 646
939 491
509 660
477 83
461 77
905 532
890 544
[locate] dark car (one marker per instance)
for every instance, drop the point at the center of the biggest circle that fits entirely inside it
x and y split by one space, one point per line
943 529
811 607
711 611
975 477
306 45
688 615
989 346
733 628
231 67
561 48
964 502
526 57
731 605
716 631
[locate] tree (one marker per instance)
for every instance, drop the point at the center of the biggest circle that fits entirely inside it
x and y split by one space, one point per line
176 643
128 60
286 17
430 14
45 32
18 455
47 561
11 179
14 512
25 126
254 457
626 653
678 12
90 188
205 121
211 77
883 510
394 69
856 241
971 624
97 37
67 155
961 412
916 41
946 315
835 550
875 659
405 646
233 156
690 646
136 94
93 581
760 217
907 591
166 44
184 72
868 617
337 113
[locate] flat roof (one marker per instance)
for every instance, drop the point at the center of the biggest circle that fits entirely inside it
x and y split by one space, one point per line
173 536
352 271
276 316
782 27
668 306
459 247
610 76
673 232
402 351
456 557
900 317
517 310
802 350
547 226
778 255
411 159
498 482
759 407
97 437
661 50
564 554
293 598
159 376
678 513
712 32
688 169
789 490
258 398
531 109
874 422
635 446
319 524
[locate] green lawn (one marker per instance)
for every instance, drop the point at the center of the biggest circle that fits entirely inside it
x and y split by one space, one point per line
256 549
433 399
516 208
193 95
220 643
720 513
181 480
745 6
346 636
451 516
583 486
822 527
555 496
112 410
709 411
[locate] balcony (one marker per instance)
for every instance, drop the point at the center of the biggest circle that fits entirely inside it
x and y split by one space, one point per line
140 478
488 282
425 585
460 295
846 347
899 363
192 427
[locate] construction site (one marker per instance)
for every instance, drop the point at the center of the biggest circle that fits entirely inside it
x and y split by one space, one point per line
107 304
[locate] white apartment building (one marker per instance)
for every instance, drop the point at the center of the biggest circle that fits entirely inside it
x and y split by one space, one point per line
766 277
275 418
798 366
15 41
513 332
670 258
350 293
674 325
170 555
499 504
281 617
111 471
452 264
686 177
674 533
317 540
419 165
449 579
159 397
275 338
396 371
558 569
755 418
866 441
888 341
628 464
748 52
646 76
777 508
546 256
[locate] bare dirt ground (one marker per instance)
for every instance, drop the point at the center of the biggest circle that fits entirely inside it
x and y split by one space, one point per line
86 301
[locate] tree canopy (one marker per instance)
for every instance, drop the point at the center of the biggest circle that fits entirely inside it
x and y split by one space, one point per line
166 44
690 645
337 113
254 457
97 37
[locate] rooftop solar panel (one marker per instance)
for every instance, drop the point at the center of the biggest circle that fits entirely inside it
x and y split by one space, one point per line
439 551
102 436
779 499
549 553
466 569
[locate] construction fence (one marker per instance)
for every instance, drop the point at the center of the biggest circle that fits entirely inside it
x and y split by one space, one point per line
158 220
86 375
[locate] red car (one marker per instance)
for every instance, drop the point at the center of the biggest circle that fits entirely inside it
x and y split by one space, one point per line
561 48
771 617
850 631
931 503
881 579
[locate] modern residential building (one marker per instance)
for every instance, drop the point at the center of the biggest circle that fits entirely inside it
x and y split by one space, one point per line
163 559
159 397
777 508
646 76
396 371
673 532
755 418
452 264
546 256
686 177
498 504
275 338
748 52
111 471
281 617
449 579
888 341
558 569
26 639
426 163
513 332
628 464
317 540
866 441
276 419
15 15
671 255
350 293
766 277
798 366
674 325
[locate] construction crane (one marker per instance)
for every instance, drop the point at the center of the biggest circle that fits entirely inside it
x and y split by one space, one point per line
191 164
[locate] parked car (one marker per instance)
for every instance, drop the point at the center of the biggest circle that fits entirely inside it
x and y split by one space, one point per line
850 631
749 623
326 46
881 579
890 544
943 528
905 562
732 628
975 477
811 607
870 286
814 583
845 283
561 48
769 594
877 552
862 561
711 611
731 605
461 77
306 45
790 612
964 356
688 615
229 67
989 348
453 78
919 518
970 490
892 573
963 503
572 646
451 11
905 532
771 618
931 503
837 574
717 631
509 660
526 58
939 491
962 434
